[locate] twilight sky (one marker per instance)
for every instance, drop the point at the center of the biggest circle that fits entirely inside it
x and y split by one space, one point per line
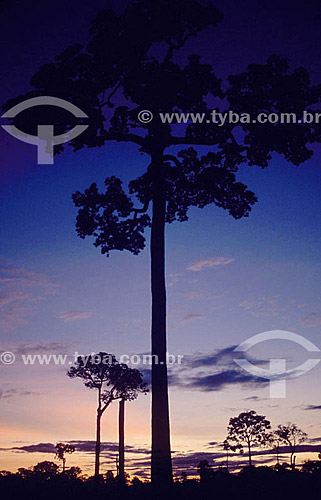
227 280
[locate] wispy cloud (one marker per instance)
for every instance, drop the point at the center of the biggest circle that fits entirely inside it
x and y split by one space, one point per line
12 393
253 398
311 320
40 347
173 278
312 407
80 446
211 372
33 448
210 263
194 293
265 306
74 315
190 317
222 379
215 371
21 292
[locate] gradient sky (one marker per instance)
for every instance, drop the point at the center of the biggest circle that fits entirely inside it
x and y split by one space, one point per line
227 280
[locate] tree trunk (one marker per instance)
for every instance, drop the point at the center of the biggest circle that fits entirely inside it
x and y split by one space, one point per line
98 433
161 453
293 460
121 448
250 455
63 465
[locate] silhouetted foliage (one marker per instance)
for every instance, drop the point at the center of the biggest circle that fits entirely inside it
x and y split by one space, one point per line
312 467
73 472
110 478
276 442
101 372
292 436
251 483
205 471
112 380
46 470
228 446
248 429
62 451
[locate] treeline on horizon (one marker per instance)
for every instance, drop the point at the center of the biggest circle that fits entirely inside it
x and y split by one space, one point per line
247 431
280 481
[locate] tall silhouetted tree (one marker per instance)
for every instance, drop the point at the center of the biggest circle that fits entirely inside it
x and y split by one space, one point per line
131 64
62 451
248 429
130 384
292 436
101 372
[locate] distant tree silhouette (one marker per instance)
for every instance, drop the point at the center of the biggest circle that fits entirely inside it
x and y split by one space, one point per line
136 482
5 473
227 446
25 473
129 65
312 467
62 451
183 477
98 371
45 470
248 429
112 380
282 467
110 478
292 436
129 384
276 442
73 472
205 471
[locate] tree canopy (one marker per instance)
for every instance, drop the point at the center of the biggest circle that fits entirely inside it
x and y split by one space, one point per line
246 430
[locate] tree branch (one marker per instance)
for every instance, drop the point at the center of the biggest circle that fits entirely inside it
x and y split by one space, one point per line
110 104
140 210
172 47
106 405
173 159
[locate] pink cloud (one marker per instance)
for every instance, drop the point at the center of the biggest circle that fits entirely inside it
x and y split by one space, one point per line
311 320
74 315
210 262
21 292
191 317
